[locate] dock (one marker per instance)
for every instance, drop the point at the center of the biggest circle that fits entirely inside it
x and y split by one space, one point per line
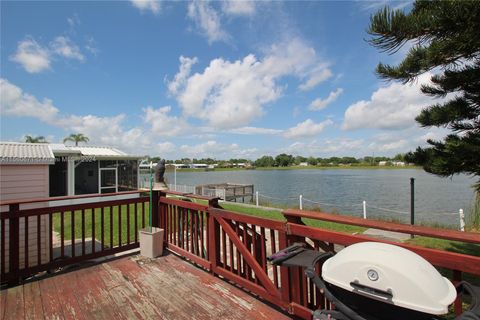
227 191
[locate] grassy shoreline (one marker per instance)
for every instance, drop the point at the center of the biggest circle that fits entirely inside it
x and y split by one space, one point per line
300 168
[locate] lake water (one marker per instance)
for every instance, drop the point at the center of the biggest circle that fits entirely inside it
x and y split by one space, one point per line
386 191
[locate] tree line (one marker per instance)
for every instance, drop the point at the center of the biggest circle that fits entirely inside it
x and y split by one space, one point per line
287 160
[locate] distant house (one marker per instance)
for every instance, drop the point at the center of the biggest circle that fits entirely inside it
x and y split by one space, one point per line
35 170
382 163
198 166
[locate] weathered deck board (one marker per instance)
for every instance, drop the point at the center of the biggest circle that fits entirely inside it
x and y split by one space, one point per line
51 301
131 288
3 303
14 304
33 301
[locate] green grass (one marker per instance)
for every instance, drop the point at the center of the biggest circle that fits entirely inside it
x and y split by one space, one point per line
277 215
67 220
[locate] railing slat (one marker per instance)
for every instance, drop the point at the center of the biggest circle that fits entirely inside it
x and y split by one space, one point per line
119 209
39 239
50 236
135 218
62 234
102 230
83 232
93 230
26 253
111 227
128 224
72 224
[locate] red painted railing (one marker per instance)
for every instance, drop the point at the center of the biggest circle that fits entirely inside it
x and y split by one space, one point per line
231 245
235 246
54 235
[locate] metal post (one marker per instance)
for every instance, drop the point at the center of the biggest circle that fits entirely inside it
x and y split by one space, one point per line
412 201
301 202
256 198
364 209
175 176
151 201
462 219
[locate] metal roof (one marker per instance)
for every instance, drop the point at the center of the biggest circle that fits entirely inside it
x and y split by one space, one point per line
60 148
25 153
44 153
103 152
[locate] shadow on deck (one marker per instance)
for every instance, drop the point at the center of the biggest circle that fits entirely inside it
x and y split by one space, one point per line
133 288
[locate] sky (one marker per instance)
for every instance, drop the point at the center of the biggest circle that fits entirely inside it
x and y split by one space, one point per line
218 79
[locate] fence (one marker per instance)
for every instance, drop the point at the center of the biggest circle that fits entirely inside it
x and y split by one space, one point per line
67 234
362 208
235 247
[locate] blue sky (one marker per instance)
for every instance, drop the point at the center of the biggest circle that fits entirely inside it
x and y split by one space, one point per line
215 79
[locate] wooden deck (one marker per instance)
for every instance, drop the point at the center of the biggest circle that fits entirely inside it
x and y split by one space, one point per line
133 288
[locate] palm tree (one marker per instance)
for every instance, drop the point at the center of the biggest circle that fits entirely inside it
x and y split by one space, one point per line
79 137
39 139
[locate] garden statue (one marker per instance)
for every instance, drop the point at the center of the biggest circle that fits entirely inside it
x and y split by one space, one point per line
160 171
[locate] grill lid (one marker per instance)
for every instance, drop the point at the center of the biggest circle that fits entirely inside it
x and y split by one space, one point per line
390 274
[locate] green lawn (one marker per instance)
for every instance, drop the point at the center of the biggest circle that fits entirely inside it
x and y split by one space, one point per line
97 215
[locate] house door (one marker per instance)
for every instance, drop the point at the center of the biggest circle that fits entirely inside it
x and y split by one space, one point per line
108 180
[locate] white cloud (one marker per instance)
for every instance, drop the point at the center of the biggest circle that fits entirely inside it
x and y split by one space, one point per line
319 104
181 77
238 7
101 130
147 5
228 94
307 128
163 125
207 20
233 94
64 47
165 148
32 56
213 149
254 131
379 4
315 77
73 21
91 46
392 107
35 58
327 148
295 57
15 102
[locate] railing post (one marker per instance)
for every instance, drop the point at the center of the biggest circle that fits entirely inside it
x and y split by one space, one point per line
293 276
14 243
213 235
256 198
301 202
364 209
